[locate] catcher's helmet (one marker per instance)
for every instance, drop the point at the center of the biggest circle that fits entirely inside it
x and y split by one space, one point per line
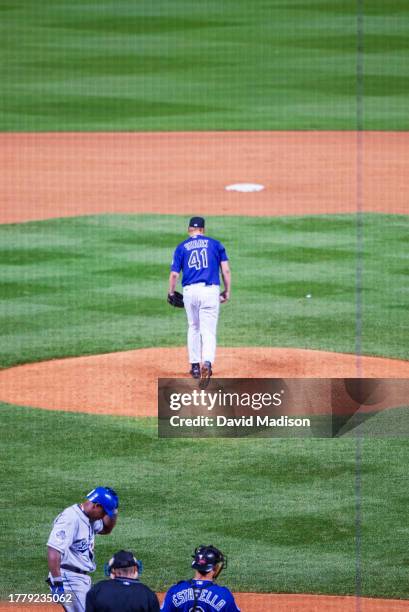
106 497
206 558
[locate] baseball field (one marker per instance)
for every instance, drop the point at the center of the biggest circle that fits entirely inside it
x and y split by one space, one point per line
120 120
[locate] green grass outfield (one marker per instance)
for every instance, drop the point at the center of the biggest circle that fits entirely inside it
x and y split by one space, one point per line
210 65
283 510
97 284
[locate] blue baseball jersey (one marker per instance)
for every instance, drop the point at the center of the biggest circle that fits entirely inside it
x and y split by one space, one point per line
208 597
199 258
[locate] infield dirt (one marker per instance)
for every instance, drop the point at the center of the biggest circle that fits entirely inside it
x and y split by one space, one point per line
57 175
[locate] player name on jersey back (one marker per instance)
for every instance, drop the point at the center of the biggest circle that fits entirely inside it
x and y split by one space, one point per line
201 243
205 596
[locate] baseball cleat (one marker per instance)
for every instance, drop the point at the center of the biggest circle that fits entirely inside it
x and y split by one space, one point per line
205 374
195 370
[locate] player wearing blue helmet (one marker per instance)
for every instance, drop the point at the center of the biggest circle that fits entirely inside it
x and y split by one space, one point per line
202 594
201 260
105 497
70 546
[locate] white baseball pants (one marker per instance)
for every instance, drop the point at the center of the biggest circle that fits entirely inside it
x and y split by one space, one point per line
78 585
202 303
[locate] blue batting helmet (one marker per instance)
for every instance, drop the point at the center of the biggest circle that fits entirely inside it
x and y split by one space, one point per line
106 497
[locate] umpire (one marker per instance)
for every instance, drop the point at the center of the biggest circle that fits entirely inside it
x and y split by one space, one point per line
122 592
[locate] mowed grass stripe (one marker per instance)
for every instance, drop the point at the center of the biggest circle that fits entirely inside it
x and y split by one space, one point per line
201 65
283 510
97 284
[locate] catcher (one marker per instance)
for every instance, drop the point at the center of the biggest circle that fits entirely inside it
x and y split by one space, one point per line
202 594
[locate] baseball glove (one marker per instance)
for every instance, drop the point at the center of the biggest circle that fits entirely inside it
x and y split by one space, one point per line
176 299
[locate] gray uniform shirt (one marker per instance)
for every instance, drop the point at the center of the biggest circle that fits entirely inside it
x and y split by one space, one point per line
73 535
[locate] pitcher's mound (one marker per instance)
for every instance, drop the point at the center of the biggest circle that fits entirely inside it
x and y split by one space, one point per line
126 383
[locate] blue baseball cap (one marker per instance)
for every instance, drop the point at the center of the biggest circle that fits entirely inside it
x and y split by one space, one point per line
197 222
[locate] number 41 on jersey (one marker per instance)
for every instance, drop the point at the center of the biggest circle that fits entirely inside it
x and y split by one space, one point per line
198 259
